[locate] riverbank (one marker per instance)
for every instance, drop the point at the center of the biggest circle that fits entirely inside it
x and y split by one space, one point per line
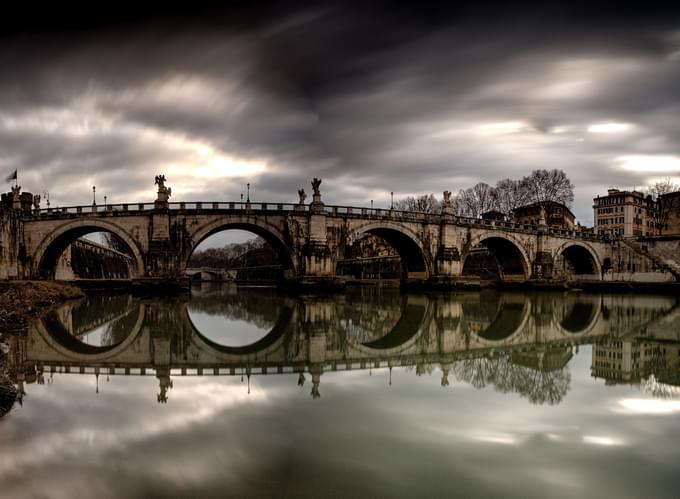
20 300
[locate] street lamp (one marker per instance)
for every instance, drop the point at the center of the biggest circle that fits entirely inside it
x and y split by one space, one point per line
105 202
371 204
94 199
392 200
46 195
248 197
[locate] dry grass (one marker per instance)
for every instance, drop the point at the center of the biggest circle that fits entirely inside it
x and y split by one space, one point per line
21 299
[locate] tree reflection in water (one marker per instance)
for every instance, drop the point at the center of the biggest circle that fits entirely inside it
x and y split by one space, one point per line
537 383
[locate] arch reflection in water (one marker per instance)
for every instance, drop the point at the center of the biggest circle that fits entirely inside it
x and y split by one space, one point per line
96 323
238 318
519 342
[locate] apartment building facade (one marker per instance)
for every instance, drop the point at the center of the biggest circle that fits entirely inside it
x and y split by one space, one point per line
625 213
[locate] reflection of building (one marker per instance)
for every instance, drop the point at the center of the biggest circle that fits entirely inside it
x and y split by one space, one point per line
548 360
624 213
631 361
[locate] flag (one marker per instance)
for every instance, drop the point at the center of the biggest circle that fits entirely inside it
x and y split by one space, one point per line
11 177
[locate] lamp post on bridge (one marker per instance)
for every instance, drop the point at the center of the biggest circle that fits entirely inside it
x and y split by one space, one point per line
94 195
248 197
392 200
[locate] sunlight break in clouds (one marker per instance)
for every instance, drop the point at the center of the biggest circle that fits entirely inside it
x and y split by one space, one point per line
609 127
502 128
642 163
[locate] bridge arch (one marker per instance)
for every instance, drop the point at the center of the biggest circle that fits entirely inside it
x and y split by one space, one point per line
55 243
415 257
580 257
262 228
512 257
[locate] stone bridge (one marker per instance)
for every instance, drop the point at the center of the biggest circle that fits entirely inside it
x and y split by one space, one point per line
309 239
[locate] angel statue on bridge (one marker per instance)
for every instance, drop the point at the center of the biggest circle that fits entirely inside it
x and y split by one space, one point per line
315 185
160 182
303 196
447 198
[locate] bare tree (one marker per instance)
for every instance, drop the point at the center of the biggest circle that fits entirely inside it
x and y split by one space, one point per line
662 187
426 203
474 201
510 194
550 185
666 206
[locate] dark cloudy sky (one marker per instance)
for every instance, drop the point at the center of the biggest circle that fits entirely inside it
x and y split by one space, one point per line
371 99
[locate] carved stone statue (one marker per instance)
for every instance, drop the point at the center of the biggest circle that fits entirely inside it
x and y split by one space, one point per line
16 191
447 197
36 201
316 182
303 196
164 193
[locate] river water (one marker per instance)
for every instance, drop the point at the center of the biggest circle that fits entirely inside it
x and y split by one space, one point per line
243 392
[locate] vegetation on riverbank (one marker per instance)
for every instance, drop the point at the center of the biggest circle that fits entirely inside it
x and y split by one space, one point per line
22 299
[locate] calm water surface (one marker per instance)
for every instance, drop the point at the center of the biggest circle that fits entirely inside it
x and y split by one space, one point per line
246 393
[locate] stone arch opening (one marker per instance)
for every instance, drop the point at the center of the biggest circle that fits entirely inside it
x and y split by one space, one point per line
100 260
496 258
384 252
576 259
272 262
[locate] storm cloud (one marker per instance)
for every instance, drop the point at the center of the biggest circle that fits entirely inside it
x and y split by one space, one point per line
370 99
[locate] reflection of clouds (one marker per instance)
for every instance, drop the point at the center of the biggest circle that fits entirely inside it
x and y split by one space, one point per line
362 439
194 402
496 438
648 406
602 440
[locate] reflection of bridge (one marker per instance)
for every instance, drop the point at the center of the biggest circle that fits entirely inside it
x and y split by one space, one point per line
533 331
309 239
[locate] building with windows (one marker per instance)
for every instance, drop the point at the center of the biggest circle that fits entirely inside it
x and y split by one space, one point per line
625 213
555 214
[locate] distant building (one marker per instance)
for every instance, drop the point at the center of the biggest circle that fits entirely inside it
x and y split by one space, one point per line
625 213
496 215
556 215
